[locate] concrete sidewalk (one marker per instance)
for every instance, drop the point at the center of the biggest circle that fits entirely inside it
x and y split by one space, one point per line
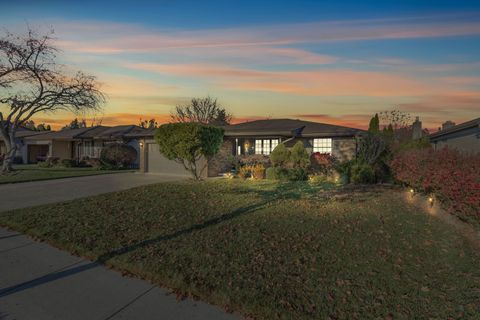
40 282
29 194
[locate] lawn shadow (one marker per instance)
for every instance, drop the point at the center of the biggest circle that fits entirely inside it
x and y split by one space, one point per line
287 191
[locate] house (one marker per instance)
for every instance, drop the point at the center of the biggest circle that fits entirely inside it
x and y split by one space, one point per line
77 143
20 136
258 137
463 137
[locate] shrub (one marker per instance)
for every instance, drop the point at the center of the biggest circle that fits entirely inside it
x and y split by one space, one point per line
118 156
245 172
68 163
345 169
322 163
277 173
258 171
43 164
454 177
423 143
252 159
362 172
49 162
297 174
318 178
280 156
299 157
93 162
271 173
189 143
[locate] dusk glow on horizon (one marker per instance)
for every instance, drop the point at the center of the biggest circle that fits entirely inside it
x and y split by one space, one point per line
337 64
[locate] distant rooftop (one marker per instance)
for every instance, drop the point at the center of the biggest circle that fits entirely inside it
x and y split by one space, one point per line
462 126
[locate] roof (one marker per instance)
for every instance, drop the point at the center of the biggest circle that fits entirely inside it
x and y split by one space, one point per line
24 132
139 132
289 127
475 123
65 134
97 132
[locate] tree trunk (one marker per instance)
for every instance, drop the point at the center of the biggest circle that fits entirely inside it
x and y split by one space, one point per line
11 150
8 159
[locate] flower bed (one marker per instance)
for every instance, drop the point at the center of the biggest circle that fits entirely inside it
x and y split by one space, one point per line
452 176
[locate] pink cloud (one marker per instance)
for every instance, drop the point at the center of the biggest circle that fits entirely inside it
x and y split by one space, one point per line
315 82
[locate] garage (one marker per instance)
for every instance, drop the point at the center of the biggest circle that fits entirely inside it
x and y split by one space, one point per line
157 163
37 152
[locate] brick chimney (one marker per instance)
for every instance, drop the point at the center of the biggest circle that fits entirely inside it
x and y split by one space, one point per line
417 129
447 125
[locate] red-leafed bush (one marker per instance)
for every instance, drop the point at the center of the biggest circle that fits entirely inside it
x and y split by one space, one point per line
454 177
322 162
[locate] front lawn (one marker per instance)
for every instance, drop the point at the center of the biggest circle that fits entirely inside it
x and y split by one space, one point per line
32 172
271 250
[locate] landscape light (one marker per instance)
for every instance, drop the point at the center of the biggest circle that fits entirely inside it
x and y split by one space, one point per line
430 200
412 191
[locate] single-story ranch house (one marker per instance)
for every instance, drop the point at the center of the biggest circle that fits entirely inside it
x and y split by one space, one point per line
259 137
463 137
247 138
21 135
73 143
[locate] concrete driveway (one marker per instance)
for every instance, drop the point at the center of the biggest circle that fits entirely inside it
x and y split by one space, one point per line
29 194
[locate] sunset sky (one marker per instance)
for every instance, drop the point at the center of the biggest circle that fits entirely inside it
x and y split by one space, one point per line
335 63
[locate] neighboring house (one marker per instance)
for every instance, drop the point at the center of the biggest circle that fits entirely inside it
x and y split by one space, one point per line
259 137
463 137
78 143
20 137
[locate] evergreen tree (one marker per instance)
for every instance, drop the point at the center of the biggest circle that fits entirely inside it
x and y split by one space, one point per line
374 126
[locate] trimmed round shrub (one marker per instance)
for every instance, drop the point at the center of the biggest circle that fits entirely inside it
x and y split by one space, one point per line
362 172
299 156
280 156
118 156
297 174
277 173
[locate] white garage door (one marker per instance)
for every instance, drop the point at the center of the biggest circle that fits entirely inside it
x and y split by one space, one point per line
157 163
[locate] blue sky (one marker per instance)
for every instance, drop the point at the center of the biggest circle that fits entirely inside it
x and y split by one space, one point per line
329 61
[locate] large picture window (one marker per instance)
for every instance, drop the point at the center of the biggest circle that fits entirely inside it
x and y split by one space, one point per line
322 145
265 146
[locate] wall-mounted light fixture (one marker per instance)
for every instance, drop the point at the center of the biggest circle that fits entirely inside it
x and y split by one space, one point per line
141 144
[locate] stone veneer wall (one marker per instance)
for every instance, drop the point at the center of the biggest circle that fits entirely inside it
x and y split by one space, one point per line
344 148
221 161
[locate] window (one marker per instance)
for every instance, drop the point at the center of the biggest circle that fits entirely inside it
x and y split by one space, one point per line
322 145
265 146
258 147
88 148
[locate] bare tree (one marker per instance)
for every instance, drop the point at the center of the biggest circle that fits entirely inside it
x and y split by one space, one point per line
372 146
398 119
31 81
202 110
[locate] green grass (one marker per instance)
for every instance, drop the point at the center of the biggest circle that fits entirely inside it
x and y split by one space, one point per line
31 172
270 250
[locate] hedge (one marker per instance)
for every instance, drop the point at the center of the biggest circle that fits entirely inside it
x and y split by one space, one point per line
454 177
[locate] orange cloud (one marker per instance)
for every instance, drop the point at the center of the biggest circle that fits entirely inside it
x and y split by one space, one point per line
315 82
112 119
